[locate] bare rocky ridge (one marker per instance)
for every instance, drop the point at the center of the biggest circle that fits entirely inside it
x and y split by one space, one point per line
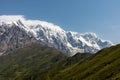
13 37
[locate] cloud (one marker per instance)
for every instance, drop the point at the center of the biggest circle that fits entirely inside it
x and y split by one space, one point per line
9 19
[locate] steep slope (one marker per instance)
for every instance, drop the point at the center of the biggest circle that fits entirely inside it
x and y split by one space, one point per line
53 36
39 63
102 66
63 65
14 37
27 62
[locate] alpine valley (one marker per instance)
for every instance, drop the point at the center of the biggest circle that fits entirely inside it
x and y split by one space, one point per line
18 32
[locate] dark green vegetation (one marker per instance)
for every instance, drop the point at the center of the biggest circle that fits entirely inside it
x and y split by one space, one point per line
37 62
26 63
105 65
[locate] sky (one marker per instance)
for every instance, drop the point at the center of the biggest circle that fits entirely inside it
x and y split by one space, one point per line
99 16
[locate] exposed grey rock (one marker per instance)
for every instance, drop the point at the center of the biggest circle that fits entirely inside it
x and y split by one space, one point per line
13 38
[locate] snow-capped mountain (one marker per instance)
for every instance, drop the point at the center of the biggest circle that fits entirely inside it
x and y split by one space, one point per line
48 34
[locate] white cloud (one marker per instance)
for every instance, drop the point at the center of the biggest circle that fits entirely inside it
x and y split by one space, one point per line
14 18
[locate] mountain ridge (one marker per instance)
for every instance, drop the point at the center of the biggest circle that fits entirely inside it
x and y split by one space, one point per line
54 36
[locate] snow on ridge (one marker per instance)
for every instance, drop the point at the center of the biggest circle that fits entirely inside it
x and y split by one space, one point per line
107 41
9 19
30 25
53 33
42 23
89 34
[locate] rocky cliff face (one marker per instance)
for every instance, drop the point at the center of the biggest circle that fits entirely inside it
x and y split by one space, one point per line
13 37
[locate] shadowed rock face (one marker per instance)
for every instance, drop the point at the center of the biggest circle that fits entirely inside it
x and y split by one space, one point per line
14 37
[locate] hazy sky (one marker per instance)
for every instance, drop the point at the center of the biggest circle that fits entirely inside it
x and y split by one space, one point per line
99 16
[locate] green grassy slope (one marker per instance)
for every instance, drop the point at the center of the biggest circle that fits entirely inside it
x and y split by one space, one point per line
24 63
36 62
63 66
105 65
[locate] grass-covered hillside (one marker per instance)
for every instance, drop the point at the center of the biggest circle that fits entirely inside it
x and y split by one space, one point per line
25 63
105 65
33 62
37 62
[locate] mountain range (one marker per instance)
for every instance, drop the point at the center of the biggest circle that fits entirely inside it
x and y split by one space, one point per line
17 32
